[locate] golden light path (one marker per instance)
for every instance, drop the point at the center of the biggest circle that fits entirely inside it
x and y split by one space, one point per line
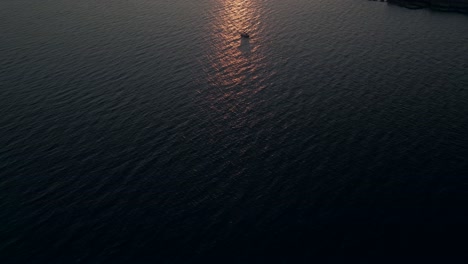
232 58
234 67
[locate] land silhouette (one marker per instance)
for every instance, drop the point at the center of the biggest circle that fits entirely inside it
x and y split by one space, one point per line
460 6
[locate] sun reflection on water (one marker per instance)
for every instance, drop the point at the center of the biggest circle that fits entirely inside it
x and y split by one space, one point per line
235 68
233 59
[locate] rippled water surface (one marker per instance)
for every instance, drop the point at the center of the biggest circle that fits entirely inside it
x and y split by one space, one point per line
137 129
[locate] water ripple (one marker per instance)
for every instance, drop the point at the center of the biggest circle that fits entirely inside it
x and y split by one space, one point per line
143 126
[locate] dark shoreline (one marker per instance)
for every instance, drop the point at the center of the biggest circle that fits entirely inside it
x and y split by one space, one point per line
459 6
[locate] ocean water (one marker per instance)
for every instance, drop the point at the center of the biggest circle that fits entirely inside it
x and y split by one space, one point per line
144 131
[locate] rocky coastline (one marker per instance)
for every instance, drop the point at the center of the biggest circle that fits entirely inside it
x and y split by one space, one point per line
460 6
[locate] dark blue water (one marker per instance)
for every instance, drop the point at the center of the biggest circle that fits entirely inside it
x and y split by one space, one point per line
146 130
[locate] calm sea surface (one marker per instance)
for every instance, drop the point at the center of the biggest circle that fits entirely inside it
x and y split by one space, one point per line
138 130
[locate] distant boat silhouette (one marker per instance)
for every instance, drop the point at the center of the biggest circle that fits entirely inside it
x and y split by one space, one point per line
245 35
